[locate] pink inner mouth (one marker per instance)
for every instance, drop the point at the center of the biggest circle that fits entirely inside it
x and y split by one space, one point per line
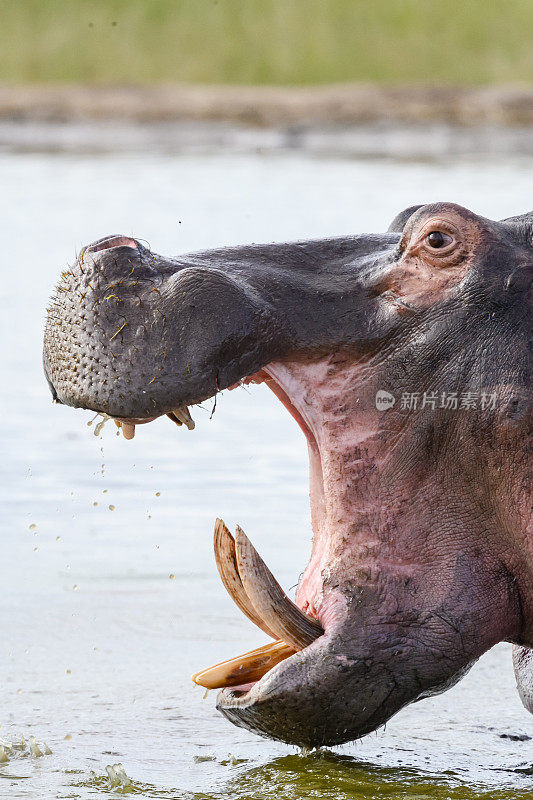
324 397
293 396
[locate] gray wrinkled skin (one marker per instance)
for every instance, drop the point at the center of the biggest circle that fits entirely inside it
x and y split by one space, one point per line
427 520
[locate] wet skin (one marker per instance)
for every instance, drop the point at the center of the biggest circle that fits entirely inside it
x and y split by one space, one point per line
421 509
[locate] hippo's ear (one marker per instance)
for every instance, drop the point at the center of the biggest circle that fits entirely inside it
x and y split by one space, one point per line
521 219
398 223
522 226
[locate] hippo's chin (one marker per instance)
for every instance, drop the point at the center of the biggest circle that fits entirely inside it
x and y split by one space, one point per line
342 686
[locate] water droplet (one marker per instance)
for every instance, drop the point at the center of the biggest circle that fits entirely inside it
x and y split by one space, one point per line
69 672
33 527
171 576
111 507
98 428
158 494
75 587
95 503
58 538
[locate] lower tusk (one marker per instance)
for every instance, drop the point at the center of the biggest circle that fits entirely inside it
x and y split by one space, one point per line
226 562
248 668
279 613
182 414
128 430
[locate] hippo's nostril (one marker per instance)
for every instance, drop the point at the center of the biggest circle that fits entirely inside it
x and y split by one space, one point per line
112 241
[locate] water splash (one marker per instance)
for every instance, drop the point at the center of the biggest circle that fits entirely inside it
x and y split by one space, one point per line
117 776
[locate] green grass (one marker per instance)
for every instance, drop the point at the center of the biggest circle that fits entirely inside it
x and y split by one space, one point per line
266 41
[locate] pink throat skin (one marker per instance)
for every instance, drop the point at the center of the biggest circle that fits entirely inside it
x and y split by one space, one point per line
346 449
378 511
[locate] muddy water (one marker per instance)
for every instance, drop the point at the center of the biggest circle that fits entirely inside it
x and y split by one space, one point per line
109 594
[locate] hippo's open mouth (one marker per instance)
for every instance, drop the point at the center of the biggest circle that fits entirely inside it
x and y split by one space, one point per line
246 577
404 359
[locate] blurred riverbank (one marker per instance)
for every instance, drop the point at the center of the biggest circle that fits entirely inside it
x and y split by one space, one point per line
267 106
347 121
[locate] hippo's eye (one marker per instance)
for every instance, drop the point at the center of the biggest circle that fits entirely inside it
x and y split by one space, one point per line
438 239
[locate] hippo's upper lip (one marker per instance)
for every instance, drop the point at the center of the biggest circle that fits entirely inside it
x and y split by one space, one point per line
179 415
134 420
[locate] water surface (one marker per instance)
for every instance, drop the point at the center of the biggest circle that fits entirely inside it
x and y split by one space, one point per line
112 600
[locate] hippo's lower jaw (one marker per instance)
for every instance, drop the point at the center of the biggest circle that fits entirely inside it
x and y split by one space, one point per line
386 636
405 358
323 697
369 633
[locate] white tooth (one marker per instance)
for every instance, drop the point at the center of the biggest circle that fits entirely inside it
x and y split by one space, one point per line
249 667
184 416
281 615
128 430
226 561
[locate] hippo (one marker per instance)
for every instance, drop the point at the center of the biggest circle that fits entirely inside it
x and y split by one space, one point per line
405 358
